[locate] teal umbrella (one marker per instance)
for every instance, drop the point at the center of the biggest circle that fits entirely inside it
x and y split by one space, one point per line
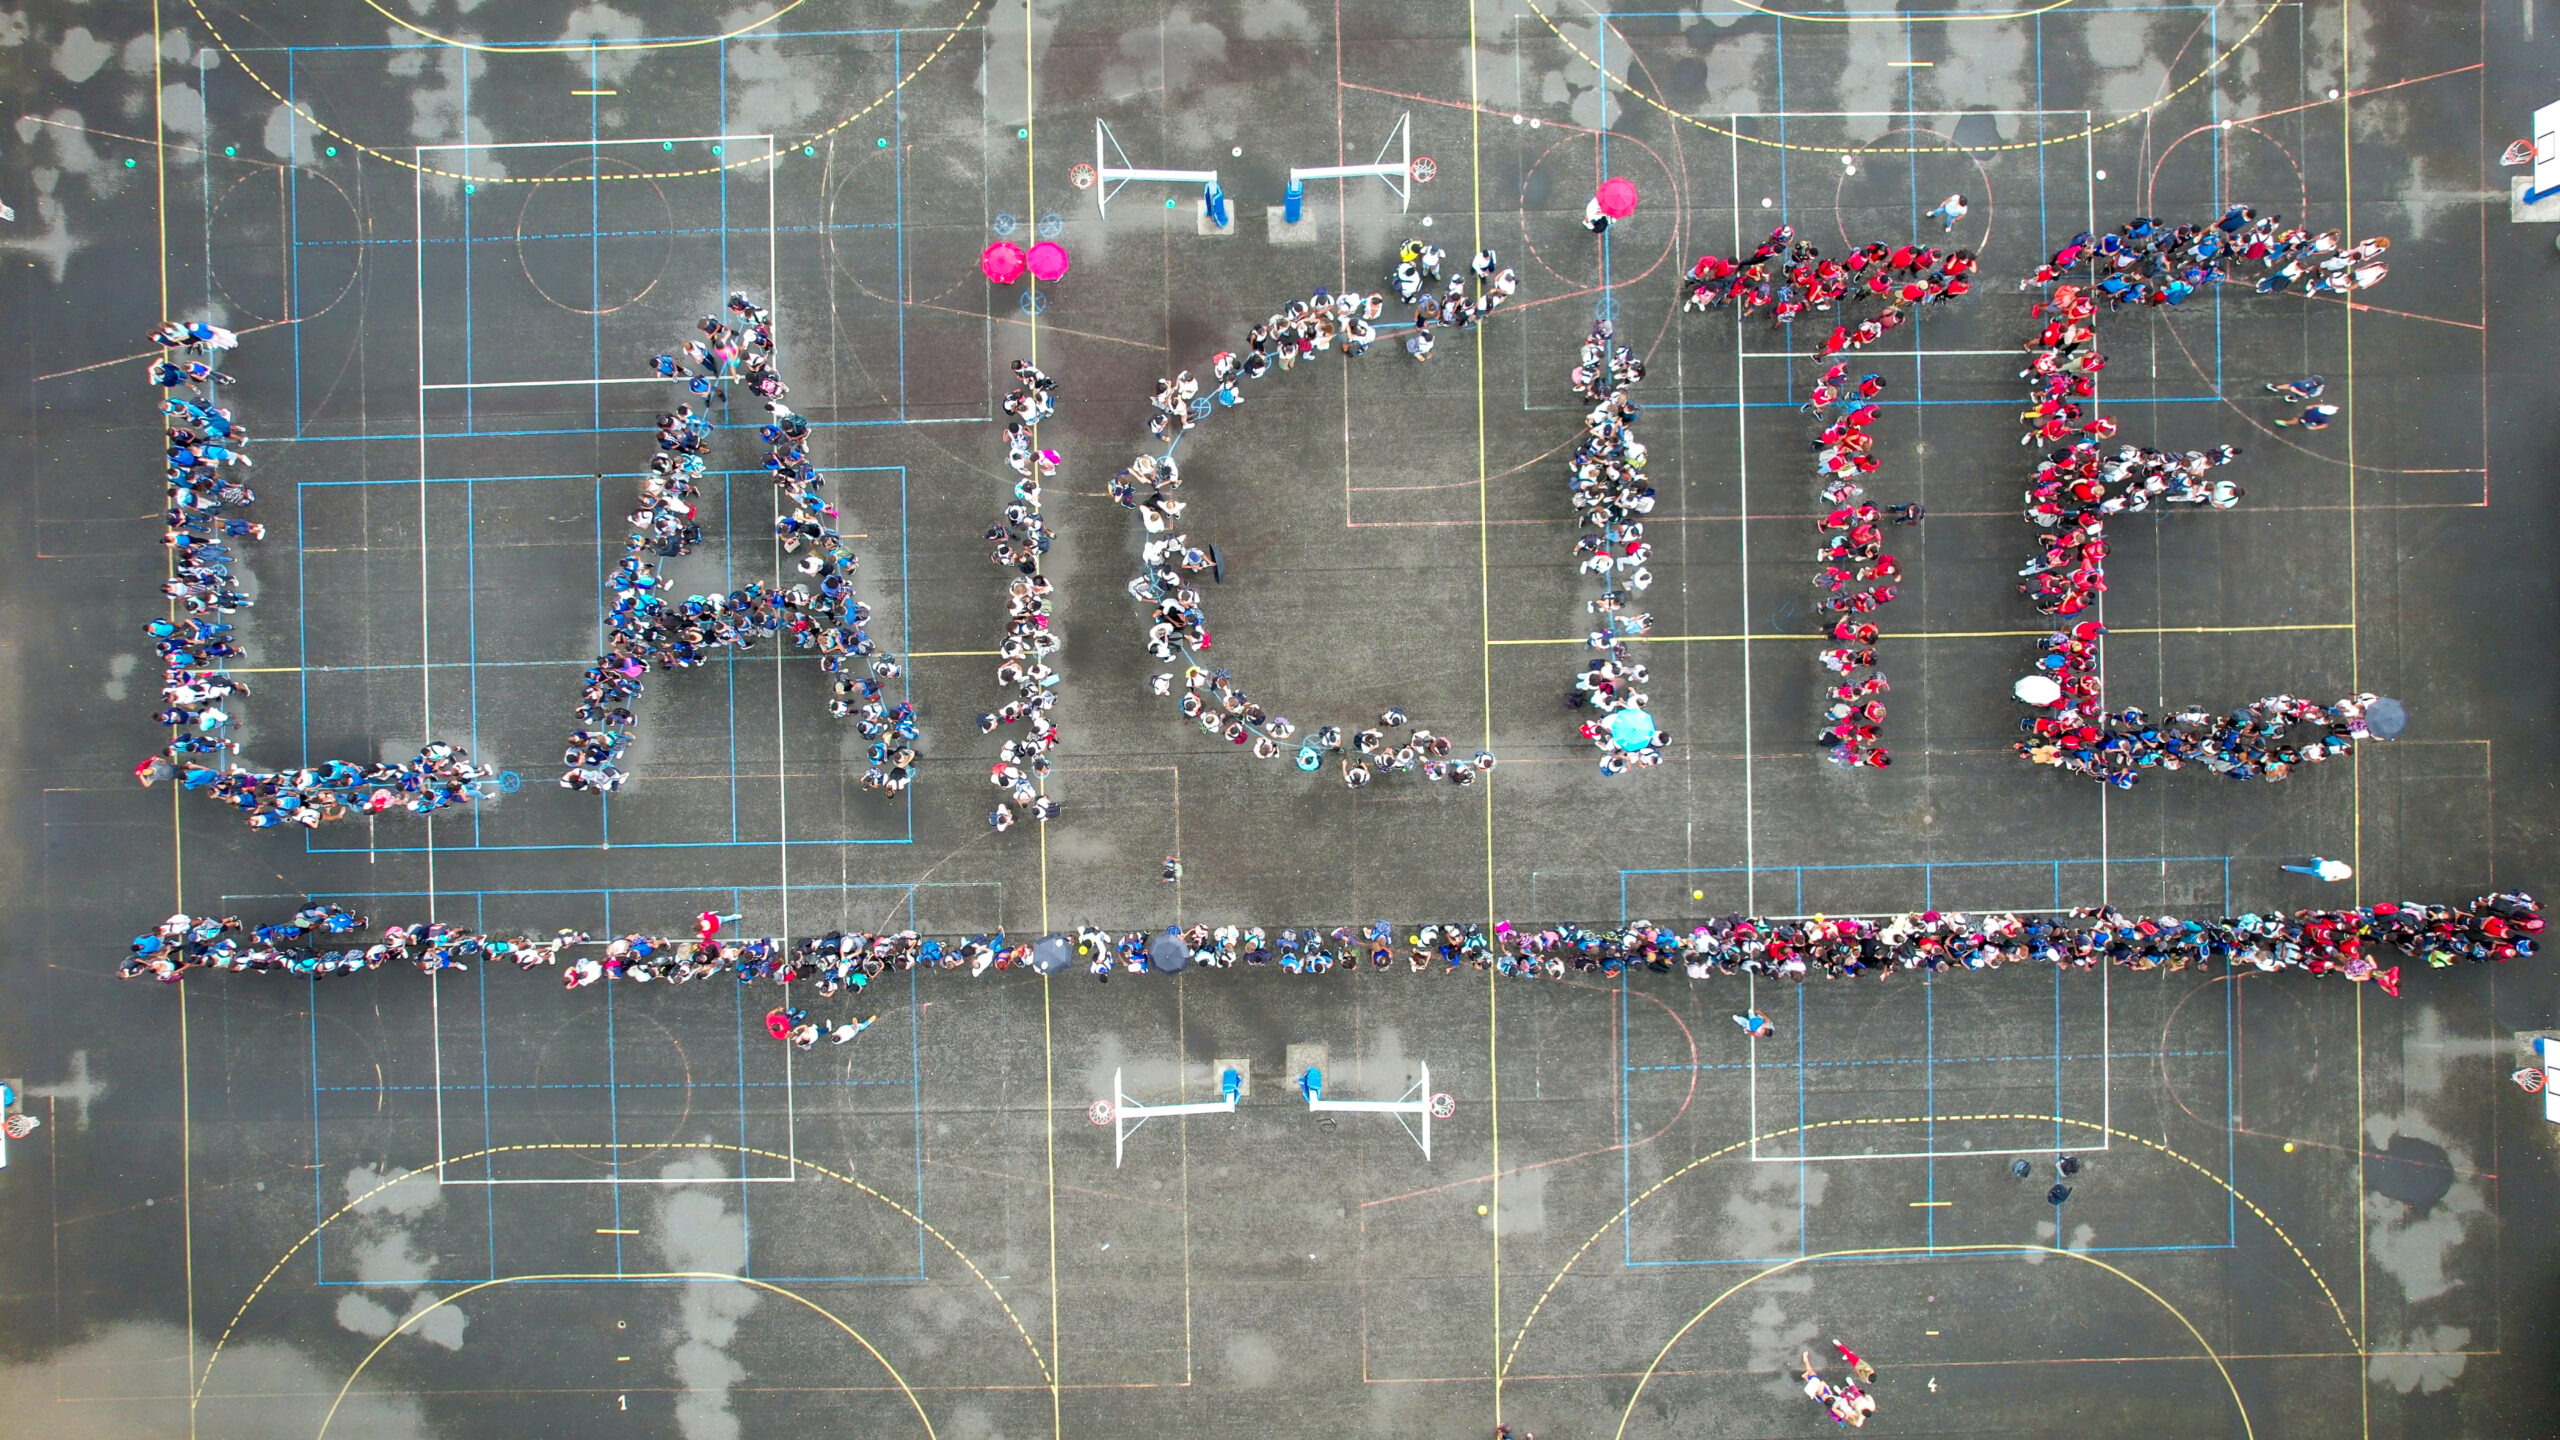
1632 729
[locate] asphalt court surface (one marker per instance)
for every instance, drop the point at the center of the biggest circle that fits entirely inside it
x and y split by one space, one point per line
486 1206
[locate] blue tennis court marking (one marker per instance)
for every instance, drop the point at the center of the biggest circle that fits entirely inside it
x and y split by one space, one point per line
293 54
473 664
745 1027
511 238
1929 1060
1928 870
413 436
1898 1060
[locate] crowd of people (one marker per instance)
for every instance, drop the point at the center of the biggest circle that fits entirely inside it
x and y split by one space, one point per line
1849 1402
1784 278
1021 768
2351 944
1857 577
1874 289
2145 262
1612 495
208 496
2080 482
646 628
1178 630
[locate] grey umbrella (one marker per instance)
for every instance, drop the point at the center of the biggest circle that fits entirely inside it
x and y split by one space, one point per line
1168 952
2385 718
1053 954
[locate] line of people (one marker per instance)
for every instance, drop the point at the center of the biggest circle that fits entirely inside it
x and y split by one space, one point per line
1612 496
1785 278
1847 1403
2146 262
1178 629
2076 487
207 492
1857 577
646 628
1021 768
2351 944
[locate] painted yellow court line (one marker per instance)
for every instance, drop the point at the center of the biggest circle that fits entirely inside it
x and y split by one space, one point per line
1484 603
177 830
2024 1251
579 47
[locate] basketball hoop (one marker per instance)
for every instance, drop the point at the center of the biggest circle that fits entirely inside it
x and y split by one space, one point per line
1443 1105
21 1126
2531 1079
1081 176
1099 1112
2519 154
1425 169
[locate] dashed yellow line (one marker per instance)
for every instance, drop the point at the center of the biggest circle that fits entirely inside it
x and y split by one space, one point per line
2335 1308
597 46
413 1317
303 113
2238 1403
197 1389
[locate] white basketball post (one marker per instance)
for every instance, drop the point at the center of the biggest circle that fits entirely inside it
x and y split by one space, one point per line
2546 155
1417 1101
1127 1114
1396 173
2548 1048
1108 178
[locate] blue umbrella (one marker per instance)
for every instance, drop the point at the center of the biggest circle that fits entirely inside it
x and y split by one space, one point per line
1631 729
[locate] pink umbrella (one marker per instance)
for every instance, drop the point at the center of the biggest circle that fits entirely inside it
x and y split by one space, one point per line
1048 261
1617 197
1002 263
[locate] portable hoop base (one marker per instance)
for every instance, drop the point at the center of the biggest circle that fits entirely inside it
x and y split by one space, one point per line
1125 1115
1418 1101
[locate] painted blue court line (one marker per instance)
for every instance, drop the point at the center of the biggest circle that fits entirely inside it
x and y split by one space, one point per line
1928 873
605 892
1930 1059
913 1081
1923 1252
661 232
604 837
1919 1060
898 186
589 476
414 436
